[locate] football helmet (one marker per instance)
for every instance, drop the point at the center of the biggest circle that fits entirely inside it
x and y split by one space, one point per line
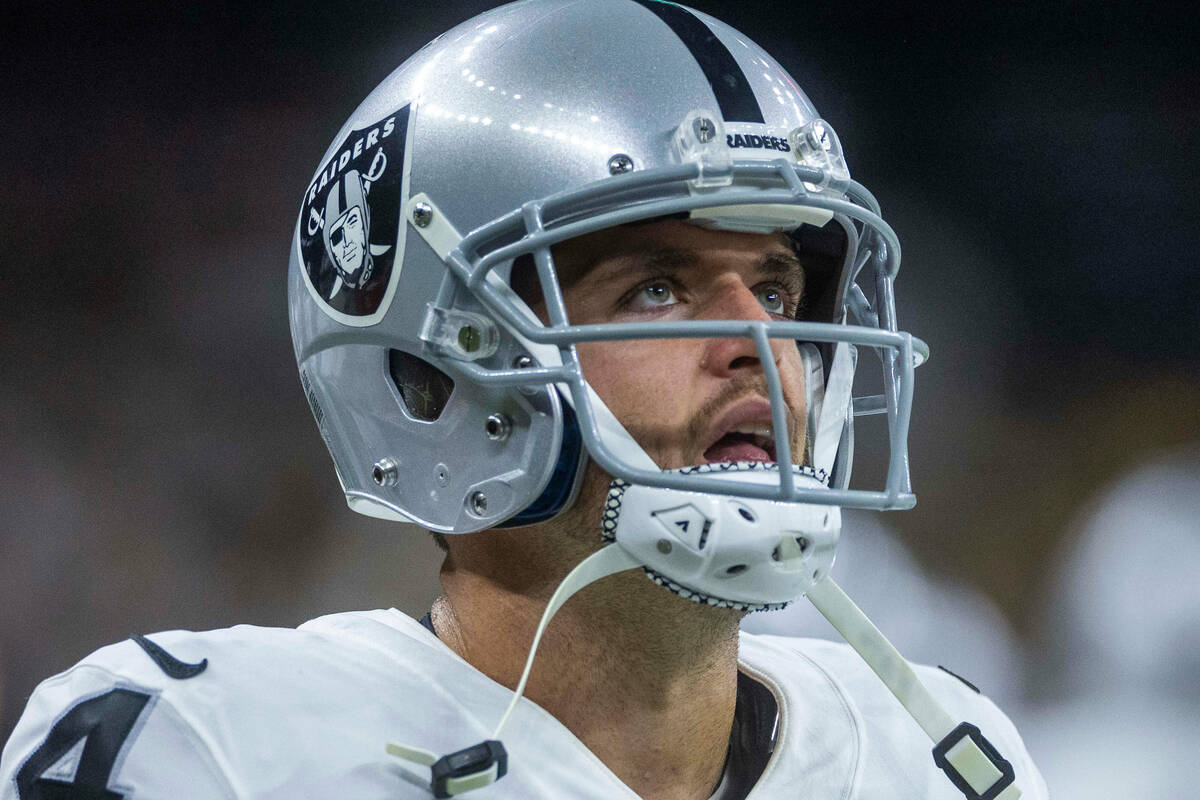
441 398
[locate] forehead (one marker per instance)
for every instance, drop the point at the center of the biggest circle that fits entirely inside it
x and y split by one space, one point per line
669 243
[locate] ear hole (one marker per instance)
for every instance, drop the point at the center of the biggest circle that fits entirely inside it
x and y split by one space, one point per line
424 388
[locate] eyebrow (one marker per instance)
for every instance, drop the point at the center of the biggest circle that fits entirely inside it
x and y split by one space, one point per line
784 266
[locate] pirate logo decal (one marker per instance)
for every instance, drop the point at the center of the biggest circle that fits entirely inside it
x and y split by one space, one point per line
351 211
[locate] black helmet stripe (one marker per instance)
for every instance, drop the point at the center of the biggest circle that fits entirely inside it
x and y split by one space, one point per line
734 96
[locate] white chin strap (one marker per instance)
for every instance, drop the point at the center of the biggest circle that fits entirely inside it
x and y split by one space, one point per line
960 750
834 407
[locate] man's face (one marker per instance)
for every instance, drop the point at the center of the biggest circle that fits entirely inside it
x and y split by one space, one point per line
687 401
348 240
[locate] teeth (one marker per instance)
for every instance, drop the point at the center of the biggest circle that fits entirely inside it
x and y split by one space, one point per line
753 430
763 436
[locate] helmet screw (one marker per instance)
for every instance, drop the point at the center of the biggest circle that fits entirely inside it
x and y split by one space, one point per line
479 503
422 215
468 338
705 129
620 164
385 472
664 546
498 427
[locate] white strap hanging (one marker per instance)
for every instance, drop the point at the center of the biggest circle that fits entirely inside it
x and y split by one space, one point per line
969 760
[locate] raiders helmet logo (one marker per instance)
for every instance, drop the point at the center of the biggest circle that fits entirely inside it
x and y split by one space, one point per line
350 215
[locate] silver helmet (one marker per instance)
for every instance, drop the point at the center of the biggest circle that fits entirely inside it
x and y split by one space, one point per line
442 398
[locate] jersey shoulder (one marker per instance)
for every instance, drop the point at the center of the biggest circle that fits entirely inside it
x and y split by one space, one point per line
894 740
208 704
108 725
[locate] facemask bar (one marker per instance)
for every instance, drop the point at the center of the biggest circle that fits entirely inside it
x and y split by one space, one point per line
655 193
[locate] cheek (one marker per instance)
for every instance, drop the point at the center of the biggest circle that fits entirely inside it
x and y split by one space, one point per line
791 375
645 379
791 368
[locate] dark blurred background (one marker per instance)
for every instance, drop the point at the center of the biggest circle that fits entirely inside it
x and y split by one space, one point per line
160 466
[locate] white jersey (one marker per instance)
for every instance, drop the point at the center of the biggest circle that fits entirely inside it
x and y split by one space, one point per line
307 712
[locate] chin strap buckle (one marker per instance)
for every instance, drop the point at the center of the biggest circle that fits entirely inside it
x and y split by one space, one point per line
470 768
973 764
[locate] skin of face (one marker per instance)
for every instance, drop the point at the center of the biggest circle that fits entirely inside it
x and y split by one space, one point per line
669 393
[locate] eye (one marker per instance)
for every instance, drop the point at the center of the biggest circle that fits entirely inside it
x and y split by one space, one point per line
772 299
651 295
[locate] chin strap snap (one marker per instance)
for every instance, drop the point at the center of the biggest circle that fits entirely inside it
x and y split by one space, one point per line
960 750
485 763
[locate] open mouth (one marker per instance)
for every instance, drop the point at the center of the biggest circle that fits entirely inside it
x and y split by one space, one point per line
744 443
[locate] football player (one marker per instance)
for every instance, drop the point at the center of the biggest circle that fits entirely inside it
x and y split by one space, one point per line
606 354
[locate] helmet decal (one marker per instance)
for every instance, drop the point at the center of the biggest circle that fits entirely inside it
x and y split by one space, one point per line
350 216
735 97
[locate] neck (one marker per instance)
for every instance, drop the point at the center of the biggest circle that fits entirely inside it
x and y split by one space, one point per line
647 681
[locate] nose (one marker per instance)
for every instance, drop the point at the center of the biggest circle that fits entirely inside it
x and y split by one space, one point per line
730 357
